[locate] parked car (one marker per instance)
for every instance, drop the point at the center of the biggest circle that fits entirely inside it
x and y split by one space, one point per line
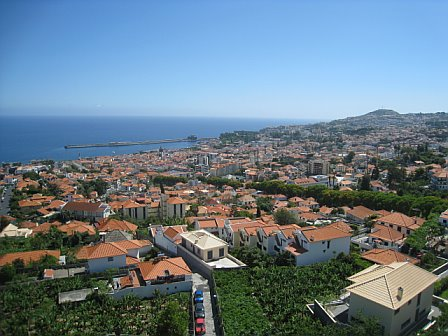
198 296
200 326
199 310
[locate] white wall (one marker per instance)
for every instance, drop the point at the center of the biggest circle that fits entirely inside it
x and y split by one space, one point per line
319 251
102 264
161 241
164 289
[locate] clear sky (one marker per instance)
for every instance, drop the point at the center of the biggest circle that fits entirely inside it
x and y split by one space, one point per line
272 59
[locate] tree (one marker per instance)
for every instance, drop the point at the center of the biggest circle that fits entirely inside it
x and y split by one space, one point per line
173 320
265 204
349 157
365 183
284 217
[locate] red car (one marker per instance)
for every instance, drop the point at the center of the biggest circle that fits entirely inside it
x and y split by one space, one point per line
200 326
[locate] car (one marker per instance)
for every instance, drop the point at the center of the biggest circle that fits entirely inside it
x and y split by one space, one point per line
200 326
198 296
199 310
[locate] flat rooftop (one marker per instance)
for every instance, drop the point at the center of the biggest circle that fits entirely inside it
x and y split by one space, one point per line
223 263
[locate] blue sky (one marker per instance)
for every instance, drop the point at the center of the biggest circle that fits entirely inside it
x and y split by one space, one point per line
271 59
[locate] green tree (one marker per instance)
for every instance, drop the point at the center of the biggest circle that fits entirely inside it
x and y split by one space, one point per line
365 183
284 217
173 320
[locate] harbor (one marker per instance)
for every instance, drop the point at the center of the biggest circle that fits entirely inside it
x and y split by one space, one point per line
191 138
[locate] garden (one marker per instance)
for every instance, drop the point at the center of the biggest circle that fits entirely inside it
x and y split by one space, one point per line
272 301
33 309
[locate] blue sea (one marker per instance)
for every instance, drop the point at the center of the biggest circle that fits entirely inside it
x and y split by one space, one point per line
23 139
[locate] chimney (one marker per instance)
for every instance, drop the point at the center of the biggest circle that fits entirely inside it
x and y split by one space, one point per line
400 293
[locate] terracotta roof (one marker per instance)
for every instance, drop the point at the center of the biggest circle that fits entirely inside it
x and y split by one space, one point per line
341 226
132 244
288 230
387 256
101 250
130 280
402 220
173 266
172 231
175 200
386 233
393 285
28 257
108 224
82 206
295 250
75 226
361 212
324 233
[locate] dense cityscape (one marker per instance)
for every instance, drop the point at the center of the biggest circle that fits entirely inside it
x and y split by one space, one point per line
334 228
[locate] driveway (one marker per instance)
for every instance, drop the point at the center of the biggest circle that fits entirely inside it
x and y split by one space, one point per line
201 283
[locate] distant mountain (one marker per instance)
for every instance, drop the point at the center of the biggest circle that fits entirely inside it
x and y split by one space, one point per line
381 113
384 117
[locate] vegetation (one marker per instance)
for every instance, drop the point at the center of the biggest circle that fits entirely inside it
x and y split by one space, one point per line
232 137
33 309
168 180
407 204
283 217
221 181
418 239
271 301
98 185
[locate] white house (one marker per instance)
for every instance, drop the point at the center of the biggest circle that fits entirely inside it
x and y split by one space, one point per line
13 231
104 256
204 245
399 295
166 276
314 245
168 237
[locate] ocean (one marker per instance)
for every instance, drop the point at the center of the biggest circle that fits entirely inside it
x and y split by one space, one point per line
23 139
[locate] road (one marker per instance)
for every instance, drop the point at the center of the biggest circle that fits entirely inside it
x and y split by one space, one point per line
4 206
201 283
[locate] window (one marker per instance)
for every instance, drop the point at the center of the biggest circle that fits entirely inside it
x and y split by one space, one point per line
209 254
419 298
328 244
221 252
110 259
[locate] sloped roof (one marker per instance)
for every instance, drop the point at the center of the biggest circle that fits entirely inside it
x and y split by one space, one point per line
361 212
380 283
115 224
324 233
203 239
27 257
402 220
101 250
386 233
387 256
173 266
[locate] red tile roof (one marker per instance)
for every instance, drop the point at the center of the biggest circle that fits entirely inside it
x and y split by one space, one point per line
28 257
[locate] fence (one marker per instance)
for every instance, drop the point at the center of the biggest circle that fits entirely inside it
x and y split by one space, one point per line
219 324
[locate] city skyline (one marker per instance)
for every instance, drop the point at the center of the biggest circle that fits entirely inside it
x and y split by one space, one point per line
289 60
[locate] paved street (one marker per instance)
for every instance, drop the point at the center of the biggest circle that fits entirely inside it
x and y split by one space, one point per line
201 283
4 205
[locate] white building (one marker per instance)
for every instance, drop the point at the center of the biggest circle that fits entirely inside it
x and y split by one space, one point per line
314 245
204 245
